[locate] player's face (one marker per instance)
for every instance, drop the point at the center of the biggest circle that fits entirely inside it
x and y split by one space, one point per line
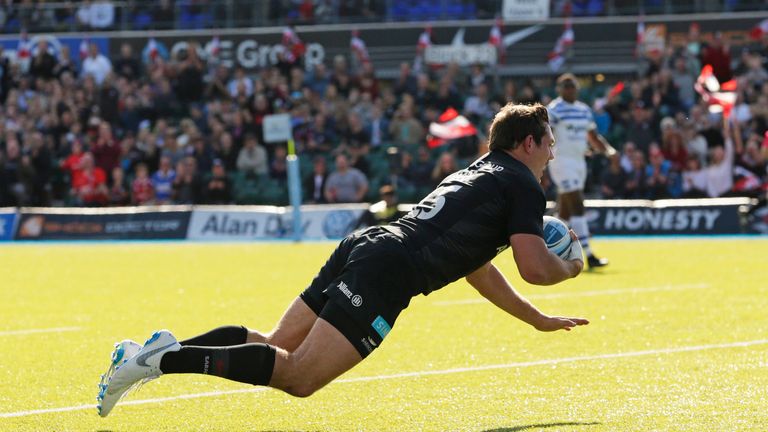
568 90
543 153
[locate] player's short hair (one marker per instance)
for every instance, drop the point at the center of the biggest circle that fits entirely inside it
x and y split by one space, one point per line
567 77
515 122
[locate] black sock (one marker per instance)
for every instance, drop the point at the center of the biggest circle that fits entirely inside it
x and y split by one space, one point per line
222 336
249 363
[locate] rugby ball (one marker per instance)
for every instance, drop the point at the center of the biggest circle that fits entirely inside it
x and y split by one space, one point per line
557 236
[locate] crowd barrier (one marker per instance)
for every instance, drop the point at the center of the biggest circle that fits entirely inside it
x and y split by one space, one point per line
235 223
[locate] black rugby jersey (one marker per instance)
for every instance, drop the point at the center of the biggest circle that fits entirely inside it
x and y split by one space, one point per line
468 219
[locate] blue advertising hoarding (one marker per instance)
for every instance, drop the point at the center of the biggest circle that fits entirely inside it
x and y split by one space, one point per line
7 222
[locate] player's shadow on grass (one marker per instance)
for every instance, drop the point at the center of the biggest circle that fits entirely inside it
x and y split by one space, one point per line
540 426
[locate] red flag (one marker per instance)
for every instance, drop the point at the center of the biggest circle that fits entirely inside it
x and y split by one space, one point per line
720 98
294 47
563 44
425 39
640 37
759 30
154 52
214 48
450 125
616 90
23 50
359 48
495 39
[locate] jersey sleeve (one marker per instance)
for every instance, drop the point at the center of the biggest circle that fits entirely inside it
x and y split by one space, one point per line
526 210
553 118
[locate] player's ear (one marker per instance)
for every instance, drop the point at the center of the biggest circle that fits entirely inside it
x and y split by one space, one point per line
529 143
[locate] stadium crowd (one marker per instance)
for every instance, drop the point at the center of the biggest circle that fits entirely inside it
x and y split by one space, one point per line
180 130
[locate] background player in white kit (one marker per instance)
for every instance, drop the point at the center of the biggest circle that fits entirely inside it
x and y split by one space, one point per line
575 131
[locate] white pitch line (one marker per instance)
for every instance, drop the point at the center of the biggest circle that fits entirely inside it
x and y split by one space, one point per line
32 331
544 362
546 296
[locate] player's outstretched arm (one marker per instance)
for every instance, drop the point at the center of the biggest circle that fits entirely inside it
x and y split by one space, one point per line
599 143
492 284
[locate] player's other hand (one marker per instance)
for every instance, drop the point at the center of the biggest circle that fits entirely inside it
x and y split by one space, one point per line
554 323
575 255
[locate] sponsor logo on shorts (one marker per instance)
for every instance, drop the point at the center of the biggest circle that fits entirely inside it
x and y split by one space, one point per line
357 300
343 288
371 341
207 364
366 344
381 326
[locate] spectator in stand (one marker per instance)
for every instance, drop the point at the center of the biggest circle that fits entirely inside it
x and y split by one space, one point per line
477 108
636 185
240 83
187 184
64 65
418 172
717 53
142 191
719 171
378 125
684 79
171 147
319 136
614 179
446 96
658 174
672 145
446 165
356 142
72 164
318 80
218 190
345 184
17 174
118 193
314 183
640 129
694 179
405 128
89 188
253 160
43 63
278 168
217 89
127 65
202 152
695 143
162 181
106 151
96 65
189 82
752 158
406 82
